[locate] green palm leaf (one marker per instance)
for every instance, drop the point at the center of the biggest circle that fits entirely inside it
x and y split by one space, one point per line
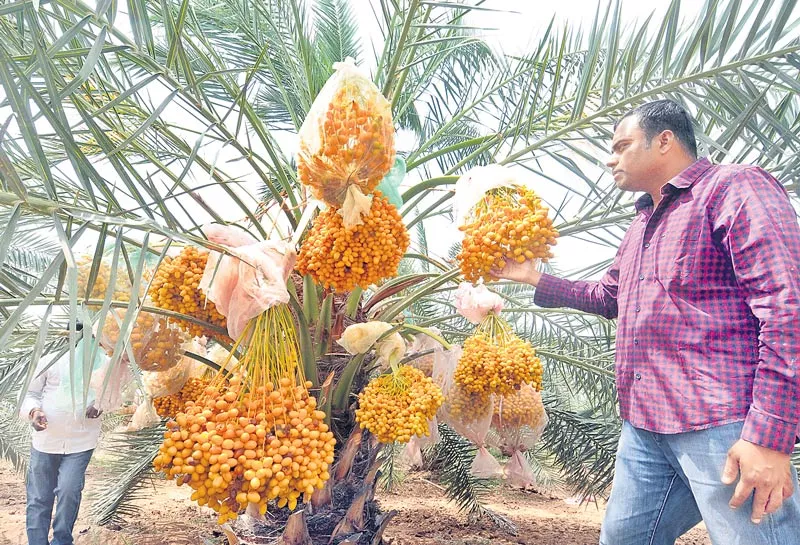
192 117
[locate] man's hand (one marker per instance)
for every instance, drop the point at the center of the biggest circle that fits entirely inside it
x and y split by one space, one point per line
38 420
93 412
518 272
763 471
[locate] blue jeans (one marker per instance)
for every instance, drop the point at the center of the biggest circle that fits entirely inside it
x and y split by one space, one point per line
52 476
665 484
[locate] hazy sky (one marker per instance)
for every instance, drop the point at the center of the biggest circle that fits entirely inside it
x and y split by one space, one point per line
521 29
520 22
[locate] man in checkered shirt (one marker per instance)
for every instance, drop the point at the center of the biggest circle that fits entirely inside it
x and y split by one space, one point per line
706 292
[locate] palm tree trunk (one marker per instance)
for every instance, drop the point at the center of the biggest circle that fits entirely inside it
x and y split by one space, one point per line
343 512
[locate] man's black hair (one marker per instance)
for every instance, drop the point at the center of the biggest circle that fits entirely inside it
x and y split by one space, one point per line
661 115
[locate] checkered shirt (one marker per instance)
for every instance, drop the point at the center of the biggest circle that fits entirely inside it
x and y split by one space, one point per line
706 291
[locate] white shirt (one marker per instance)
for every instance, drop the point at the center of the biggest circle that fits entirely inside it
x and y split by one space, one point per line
66 432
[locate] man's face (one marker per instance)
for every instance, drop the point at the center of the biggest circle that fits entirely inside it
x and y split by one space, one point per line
633 159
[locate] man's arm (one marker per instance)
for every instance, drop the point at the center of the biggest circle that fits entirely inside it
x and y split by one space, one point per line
598 297
31 408
762 237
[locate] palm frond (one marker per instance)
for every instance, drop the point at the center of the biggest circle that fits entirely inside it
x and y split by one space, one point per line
131 463
452 459
17 362
15 437
582 445
25 264
549 478
390 474
336 31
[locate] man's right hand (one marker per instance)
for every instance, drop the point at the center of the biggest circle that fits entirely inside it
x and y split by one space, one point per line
519 272
38 420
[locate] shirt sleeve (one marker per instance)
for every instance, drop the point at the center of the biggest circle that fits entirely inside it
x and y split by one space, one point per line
760 231
598 297
33 397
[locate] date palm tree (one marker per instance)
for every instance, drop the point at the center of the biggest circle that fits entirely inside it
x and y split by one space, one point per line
125 125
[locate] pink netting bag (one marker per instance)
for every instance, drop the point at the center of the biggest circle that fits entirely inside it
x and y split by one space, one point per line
250 280
476 302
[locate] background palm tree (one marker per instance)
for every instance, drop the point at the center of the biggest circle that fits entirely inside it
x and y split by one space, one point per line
120 128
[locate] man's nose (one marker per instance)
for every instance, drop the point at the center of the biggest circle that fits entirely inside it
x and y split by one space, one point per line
612 162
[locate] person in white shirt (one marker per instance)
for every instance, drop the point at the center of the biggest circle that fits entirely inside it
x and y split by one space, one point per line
67 429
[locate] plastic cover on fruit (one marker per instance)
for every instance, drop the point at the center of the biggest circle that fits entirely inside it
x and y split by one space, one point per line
360 338
412 453
159 384
347 137
390 184
473 185
518 471
145 416
469 414
519 419
500 220
165 347
102 279
475 302
421 344
222 357
154 344
517 425
248 281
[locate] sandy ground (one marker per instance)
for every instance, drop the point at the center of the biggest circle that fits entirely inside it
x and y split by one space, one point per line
425 517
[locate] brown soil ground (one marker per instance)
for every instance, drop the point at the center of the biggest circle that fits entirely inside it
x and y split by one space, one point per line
425 517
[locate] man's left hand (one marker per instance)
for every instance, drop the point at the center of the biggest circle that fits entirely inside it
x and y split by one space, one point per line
764 471
93 412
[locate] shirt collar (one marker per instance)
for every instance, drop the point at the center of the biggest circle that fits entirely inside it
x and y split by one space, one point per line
645 201
690 174
687 178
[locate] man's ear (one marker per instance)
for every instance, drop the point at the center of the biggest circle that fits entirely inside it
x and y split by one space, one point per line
665 141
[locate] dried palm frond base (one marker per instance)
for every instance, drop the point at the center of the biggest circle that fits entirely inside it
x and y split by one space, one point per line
342 513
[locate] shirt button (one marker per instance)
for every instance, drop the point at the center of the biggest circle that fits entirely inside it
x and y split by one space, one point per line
638 308
636 341
646 244
641 277
637 376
